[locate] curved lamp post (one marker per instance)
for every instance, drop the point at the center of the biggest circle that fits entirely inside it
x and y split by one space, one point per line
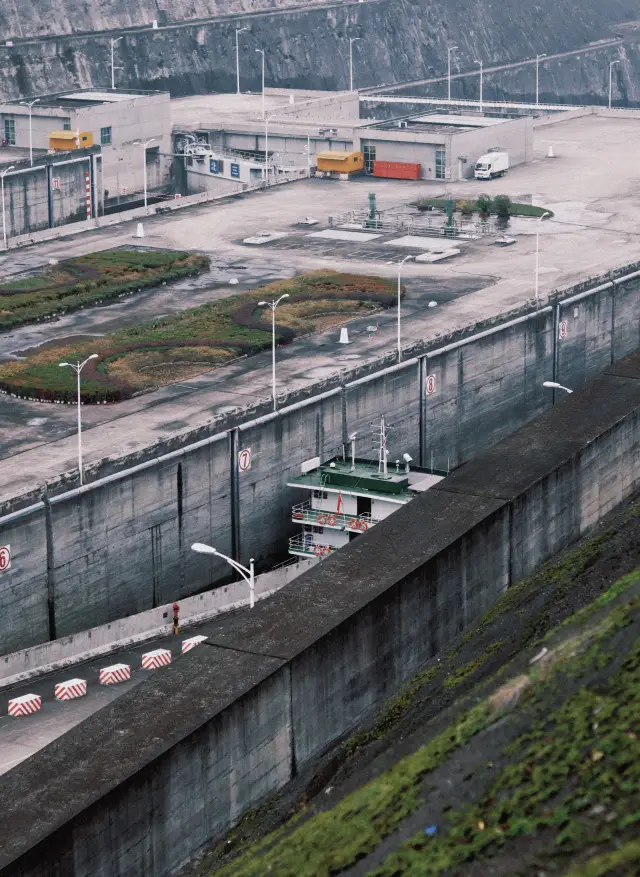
77 367
247 573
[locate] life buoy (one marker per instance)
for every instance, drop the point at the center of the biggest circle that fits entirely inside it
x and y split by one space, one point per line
298 516
322 519
353 523
318 550
363 525
327 550
331 519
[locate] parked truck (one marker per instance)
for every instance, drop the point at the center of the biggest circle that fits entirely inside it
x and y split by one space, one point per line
492 164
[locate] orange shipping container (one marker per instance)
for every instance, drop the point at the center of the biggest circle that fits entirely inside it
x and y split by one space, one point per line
397 170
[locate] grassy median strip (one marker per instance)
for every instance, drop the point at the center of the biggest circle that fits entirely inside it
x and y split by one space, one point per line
183 345
95 278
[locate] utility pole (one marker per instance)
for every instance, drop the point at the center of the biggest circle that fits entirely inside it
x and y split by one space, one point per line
113 69
450 50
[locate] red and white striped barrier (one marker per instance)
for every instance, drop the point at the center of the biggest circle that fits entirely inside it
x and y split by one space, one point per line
191 643
115 673
70 689
155 659
25 705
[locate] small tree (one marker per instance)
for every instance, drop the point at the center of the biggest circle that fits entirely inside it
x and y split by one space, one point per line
484 203
466 209
502 205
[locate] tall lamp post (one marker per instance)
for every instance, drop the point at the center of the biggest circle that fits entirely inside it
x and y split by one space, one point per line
262 53
273 305
481 83
145 146
77 367
247 573
352 40
238 30
113 68
400 264
30 104
544 215
449 51
4 220
538 59
612 64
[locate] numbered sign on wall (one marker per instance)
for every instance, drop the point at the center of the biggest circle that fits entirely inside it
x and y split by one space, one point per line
563 329
431 384
244 460
5 557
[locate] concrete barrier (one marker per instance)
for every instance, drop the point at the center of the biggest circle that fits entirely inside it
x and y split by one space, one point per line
236 718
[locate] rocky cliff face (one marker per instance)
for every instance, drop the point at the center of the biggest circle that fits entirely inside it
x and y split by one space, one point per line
400 40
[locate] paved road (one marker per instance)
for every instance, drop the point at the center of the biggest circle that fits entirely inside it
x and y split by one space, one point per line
497 68
21 737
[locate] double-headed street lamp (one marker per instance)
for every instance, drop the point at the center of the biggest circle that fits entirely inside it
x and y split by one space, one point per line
4 220
399 341
26 103
113 67
247 573
238 30
481 83
77 367
273 305
352 40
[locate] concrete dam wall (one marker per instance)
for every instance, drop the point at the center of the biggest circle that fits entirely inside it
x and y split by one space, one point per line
309 49
121 544
236 718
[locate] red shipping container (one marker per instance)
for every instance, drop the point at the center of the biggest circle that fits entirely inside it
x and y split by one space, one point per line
396 170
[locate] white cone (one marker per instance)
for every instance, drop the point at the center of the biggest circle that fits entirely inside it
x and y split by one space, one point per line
551 153
139 231
344 336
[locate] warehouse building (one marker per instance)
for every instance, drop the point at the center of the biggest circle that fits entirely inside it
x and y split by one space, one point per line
132 128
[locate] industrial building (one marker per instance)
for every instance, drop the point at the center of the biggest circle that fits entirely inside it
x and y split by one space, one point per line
290 128
132 128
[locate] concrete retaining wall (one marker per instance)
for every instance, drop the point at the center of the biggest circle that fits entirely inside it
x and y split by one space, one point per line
236 718
120 545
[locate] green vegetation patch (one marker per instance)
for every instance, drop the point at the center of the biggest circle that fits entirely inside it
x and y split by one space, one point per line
487 204
91 279
182 345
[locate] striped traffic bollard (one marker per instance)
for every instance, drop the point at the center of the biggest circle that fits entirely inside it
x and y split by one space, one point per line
188 644
155 659
70 689
24 705
114 674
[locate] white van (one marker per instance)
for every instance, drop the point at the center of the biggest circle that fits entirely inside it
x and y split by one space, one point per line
490 165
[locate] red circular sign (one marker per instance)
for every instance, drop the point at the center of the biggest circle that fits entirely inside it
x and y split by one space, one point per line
5 557
431 384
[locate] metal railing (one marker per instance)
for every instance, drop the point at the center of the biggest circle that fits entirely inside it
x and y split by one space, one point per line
303 513
431 225
304 544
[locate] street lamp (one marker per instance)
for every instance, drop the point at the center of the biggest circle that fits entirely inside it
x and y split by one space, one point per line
400 264
538 58
612 64
30 104
77 367
481 83
352 40
238 30
552 385
538 258
247 574
4 223
113 69
273 305
144 164
449 51
262 53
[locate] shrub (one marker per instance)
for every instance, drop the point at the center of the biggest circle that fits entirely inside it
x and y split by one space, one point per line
484 203
466 208
502 205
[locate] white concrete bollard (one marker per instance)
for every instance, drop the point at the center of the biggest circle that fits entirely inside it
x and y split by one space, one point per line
551 153
139 231
344 336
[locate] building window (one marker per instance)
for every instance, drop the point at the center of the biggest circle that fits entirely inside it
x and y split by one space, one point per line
105 136
67 125
369 153
319 494
10 131
441 159
152 155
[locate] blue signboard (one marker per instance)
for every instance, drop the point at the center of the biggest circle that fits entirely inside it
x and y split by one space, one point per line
215 166
235 170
